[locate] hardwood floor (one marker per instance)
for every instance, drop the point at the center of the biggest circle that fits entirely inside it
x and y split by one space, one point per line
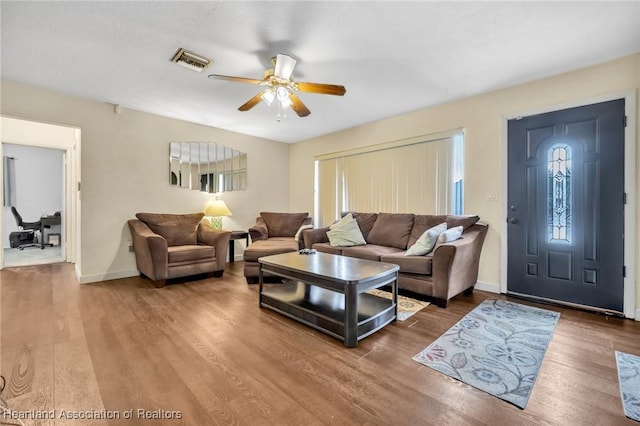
205 349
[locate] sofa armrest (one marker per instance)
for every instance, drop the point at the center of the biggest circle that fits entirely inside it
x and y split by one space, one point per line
151 251
259 231
455 264
218 238
299 236
317 235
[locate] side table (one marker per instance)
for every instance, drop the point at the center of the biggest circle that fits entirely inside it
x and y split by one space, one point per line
236 235
47 222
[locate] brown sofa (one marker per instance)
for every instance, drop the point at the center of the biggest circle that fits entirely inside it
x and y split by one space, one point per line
450 269
273 233
177 245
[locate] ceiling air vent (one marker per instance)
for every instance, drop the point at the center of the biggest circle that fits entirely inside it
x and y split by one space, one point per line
190 60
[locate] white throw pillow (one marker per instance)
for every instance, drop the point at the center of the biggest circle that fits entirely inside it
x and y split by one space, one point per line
427 241
346 235
346 219
299 231
449 235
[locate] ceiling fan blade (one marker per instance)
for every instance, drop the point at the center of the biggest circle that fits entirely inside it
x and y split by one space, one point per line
284 66
325 89
238 79
251 102
298 106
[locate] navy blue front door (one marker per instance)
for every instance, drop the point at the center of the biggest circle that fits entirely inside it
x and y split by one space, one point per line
566 205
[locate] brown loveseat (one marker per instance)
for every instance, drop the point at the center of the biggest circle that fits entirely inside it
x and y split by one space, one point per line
273 233
450 269
177 245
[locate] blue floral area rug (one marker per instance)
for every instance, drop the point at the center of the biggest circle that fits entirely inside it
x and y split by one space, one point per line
629 379
498 348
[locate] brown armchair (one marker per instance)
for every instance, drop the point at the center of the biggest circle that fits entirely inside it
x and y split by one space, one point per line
273 233
177 245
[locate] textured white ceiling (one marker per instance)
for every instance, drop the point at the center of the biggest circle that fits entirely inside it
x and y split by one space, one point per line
393 57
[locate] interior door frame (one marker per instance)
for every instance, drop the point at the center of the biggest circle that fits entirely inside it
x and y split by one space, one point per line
20 131
630 135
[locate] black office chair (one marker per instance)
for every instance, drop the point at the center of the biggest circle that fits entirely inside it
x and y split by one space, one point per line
27 226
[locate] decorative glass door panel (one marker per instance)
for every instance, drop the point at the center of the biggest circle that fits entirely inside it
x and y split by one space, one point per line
559 194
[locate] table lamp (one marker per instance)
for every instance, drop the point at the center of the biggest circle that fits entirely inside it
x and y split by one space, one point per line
215 210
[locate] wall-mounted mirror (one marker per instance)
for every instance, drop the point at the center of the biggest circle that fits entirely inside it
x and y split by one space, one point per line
207 166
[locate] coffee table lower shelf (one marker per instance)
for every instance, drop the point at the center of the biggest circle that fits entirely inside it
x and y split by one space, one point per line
324 310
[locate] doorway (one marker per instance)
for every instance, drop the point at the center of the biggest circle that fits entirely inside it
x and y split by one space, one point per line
566 206
33 193
65 139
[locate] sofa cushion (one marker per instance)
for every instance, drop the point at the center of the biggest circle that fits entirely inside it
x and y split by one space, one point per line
365 222
177 229
283 224
410 264
327 248
190 253
268 247
392 230
423 222
461 220
369 251
345 234
427 241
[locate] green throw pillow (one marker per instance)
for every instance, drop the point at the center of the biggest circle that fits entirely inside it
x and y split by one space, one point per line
346 218
427 241
346 234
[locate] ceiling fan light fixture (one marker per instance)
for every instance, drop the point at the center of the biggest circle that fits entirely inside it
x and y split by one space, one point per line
279 84
283 96
282 93
268 97
286 103
190 60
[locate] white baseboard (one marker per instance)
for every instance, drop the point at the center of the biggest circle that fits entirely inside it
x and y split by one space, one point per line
490 287
637 317
85 279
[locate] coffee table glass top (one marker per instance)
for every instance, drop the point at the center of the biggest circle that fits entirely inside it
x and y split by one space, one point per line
334 267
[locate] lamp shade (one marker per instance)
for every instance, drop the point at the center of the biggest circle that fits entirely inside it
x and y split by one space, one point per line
217 208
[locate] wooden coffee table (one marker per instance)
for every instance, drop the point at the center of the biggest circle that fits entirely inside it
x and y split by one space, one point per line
328 293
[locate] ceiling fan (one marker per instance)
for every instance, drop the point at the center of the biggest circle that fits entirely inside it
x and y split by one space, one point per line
281 87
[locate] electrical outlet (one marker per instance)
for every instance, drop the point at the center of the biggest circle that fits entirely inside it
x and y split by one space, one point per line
131 248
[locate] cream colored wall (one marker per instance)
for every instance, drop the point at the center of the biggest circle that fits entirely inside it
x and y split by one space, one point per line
125 169
482 117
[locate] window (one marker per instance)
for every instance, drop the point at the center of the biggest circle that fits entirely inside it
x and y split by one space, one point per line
422 175
559 194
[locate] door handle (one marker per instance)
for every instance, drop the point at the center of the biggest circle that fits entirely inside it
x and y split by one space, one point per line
513 220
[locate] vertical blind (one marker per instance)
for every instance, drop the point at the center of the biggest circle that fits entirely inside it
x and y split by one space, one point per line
422 175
